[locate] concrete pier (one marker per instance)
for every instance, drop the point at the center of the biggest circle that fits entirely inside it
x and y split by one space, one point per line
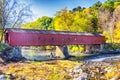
62 51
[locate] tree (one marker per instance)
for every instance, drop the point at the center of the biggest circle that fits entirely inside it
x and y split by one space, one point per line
81 21
79 8
108 19
77 21
106 23
31 25
43 23
117 33
116 17
63 20
96 6
109 5
13 14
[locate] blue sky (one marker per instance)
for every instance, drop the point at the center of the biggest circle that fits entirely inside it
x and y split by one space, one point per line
49 7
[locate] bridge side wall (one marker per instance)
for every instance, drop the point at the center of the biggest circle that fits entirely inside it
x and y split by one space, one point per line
36 39
44 39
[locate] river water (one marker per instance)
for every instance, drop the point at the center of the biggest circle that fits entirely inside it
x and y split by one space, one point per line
103 57
32 54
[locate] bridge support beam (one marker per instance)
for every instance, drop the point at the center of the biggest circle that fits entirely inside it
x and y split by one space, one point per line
94 48
101 47
62 51
87 48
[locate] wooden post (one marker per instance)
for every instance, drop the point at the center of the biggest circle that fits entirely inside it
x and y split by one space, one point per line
62 51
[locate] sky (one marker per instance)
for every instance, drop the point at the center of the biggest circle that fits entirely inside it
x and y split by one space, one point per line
49 7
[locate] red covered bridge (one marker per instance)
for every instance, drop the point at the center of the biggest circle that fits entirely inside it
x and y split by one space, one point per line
27 37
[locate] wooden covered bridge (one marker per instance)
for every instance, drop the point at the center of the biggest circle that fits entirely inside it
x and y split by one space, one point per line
28 37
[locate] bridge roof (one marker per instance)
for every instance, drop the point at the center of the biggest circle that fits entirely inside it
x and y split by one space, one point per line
50 32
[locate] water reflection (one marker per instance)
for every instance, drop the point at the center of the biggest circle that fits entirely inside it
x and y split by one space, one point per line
32 54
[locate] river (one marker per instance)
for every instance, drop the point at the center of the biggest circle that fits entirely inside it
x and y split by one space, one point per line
39 55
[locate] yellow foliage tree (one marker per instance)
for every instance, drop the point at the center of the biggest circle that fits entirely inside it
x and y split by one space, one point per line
117 33
31 25
63 21
78 21
81 22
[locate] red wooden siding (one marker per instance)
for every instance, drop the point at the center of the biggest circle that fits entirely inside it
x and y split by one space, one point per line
52 38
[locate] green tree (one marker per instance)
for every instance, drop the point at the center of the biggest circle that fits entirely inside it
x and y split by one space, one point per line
97 5
94 15
79 8
108 5
45 23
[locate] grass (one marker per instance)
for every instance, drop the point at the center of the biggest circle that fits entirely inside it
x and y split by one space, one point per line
3 47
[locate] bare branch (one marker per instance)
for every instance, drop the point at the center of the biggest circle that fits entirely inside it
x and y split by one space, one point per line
12 13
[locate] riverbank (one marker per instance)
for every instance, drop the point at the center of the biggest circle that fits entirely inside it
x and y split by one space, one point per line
92 70
63 69
82 66
34 70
